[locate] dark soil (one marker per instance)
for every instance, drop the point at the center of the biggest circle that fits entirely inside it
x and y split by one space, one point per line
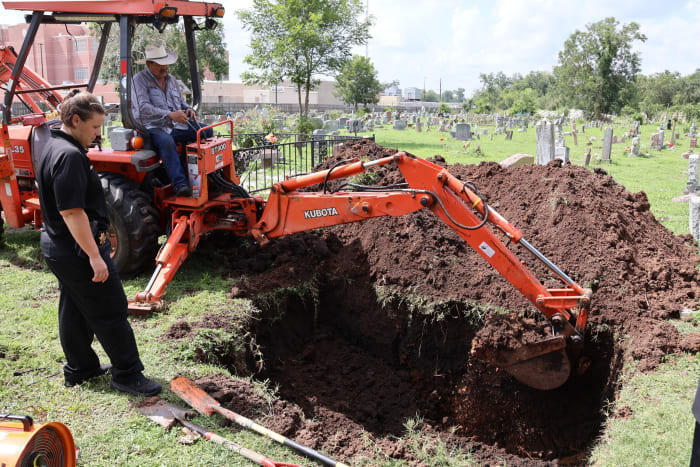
367 324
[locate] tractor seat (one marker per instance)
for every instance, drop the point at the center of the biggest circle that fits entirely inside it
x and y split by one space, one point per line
41 135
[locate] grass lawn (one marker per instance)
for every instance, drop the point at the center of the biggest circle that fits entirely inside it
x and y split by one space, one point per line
655 430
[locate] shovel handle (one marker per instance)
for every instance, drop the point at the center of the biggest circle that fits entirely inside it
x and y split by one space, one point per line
250 424
245 452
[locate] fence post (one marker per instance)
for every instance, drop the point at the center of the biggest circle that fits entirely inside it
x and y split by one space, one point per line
313 145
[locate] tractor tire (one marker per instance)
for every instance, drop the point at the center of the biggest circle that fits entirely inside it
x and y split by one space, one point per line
134 227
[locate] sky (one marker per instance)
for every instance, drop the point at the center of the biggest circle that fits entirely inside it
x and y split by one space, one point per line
424 41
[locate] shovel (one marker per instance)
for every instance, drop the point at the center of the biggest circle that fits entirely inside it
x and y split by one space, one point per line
207 405
167 415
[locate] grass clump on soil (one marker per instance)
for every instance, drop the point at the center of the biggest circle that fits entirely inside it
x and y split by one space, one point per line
415 304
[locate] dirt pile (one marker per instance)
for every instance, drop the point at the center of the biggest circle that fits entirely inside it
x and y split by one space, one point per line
368 324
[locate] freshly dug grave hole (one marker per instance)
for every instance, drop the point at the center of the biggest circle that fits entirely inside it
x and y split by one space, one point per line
380 364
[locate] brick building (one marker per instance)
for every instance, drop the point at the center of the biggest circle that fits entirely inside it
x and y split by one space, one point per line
61 54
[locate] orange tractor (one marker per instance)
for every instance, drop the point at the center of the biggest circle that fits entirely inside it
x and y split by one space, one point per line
142 205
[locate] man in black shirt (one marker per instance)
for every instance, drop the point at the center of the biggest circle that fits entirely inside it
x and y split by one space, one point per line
77 250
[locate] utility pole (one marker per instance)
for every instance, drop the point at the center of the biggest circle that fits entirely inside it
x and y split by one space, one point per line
422 98
367 18
440 89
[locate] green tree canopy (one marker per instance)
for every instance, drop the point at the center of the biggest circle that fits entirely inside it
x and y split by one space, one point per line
301 39
596 65
357 82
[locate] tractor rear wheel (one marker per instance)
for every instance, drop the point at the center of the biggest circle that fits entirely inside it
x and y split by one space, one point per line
134 226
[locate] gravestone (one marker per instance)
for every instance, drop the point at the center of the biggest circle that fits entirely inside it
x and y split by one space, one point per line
353 126
544 131
443 127
509 135
692 186
635 147
614 139
695 217
399 124
517 159
462 132
693 142
317 122
661 139
342 121
419 126
587 157
330 125
574 133
607 144
319 132
654 141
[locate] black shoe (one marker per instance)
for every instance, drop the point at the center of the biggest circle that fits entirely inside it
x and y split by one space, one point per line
74 380
137 384
183 190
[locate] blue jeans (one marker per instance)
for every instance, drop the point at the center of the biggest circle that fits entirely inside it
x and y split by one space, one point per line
166 145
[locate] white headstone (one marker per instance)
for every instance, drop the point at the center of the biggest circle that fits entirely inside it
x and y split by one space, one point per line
544 131
607 144
693 185
695 216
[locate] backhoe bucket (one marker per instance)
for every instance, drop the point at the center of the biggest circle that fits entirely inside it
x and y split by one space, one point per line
541 365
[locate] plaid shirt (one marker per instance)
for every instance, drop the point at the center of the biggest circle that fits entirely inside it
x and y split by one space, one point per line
151 104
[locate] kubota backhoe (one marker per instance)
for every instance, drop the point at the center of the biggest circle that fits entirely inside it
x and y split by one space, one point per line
220 203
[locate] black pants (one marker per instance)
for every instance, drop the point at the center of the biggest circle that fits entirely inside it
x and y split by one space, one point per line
87 309
695 453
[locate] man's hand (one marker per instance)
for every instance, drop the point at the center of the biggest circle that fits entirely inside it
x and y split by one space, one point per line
190 113
178 116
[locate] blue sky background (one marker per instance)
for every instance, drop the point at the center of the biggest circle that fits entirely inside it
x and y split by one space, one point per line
454 40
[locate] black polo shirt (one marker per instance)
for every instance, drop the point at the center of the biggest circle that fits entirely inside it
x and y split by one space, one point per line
67 180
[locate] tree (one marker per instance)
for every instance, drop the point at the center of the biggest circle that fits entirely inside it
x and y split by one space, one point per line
431 96
596 65
210 49
357 82
459 94
300 39
525 102
447 96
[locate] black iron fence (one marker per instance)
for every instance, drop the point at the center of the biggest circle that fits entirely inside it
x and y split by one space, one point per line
260 167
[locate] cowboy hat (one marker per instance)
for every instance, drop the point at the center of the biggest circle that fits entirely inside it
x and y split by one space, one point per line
158 54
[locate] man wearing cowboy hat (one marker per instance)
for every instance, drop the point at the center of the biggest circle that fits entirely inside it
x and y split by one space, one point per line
159 105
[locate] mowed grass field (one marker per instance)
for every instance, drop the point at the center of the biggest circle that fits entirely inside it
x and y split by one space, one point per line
656 428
